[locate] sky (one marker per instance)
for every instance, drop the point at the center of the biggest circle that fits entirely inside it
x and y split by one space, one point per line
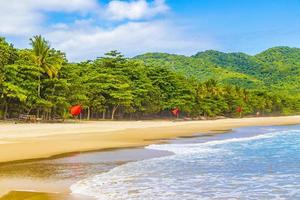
86 29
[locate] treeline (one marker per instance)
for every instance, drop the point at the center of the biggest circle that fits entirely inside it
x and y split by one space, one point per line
40 81
275 69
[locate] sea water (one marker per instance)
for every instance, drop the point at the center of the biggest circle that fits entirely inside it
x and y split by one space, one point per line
263 163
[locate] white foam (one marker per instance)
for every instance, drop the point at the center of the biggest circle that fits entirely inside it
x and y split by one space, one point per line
135 181
207 146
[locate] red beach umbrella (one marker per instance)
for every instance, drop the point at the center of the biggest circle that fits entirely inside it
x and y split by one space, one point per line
175 112
239 109
75 110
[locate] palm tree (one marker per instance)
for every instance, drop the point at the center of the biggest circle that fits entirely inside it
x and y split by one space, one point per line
46 59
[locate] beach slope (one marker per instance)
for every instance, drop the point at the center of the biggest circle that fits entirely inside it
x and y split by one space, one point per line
34 141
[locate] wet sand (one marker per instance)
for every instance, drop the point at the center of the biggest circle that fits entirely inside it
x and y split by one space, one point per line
52 178
15 195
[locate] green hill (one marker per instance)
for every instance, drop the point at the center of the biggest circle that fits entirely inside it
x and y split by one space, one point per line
201 69
280 68
277 68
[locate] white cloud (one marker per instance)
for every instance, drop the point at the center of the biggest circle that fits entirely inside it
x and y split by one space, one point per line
64 5
132 38
134 10
17 18
24 17
139 31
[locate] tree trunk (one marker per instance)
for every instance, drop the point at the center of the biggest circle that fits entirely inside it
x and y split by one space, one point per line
5 111
43 114
103 114
88 113
49 114
39 87
28 112
114 111
39 95
38 113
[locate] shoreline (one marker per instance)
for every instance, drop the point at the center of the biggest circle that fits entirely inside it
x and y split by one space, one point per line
44 141
45 193
23 180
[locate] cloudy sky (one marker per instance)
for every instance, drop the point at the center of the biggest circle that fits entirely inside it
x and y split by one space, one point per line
86 29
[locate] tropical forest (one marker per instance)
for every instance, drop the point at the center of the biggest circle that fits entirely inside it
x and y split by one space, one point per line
210 84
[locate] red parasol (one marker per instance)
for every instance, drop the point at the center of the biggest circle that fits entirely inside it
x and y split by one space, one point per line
175 112
75 110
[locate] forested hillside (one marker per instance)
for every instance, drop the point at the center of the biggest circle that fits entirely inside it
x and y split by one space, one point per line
40 81
277 68
204 66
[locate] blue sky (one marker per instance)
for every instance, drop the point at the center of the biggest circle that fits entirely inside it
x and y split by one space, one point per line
241 25
86 29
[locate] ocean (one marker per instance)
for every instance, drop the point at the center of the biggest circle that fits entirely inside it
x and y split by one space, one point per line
247 163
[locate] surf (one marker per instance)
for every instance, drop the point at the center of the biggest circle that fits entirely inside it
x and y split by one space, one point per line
238 167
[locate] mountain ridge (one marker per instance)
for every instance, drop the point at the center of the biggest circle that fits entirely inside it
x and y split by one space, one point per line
274 68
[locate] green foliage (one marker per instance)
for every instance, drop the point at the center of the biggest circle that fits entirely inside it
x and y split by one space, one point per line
40 81
48 60
277 68
202 68
7 53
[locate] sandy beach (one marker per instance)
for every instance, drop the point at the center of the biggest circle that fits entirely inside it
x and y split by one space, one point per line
35 141
22 142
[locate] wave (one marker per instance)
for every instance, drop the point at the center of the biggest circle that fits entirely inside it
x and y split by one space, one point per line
152 178
206 146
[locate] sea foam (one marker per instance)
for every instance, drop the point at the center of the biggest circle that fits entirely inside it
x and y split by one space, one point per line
247 168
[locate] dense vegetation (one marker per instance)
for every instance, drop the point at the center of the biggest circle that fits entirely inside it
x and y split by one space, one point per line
40 81
277 68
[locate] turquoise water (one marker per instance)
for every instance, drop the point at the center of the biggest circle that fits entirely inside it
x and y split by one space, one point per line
250 163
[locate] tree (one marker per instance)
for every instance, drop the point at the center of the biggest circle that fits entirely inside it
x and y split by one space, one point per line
8 90
40 80
48 61
115 85
11 89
